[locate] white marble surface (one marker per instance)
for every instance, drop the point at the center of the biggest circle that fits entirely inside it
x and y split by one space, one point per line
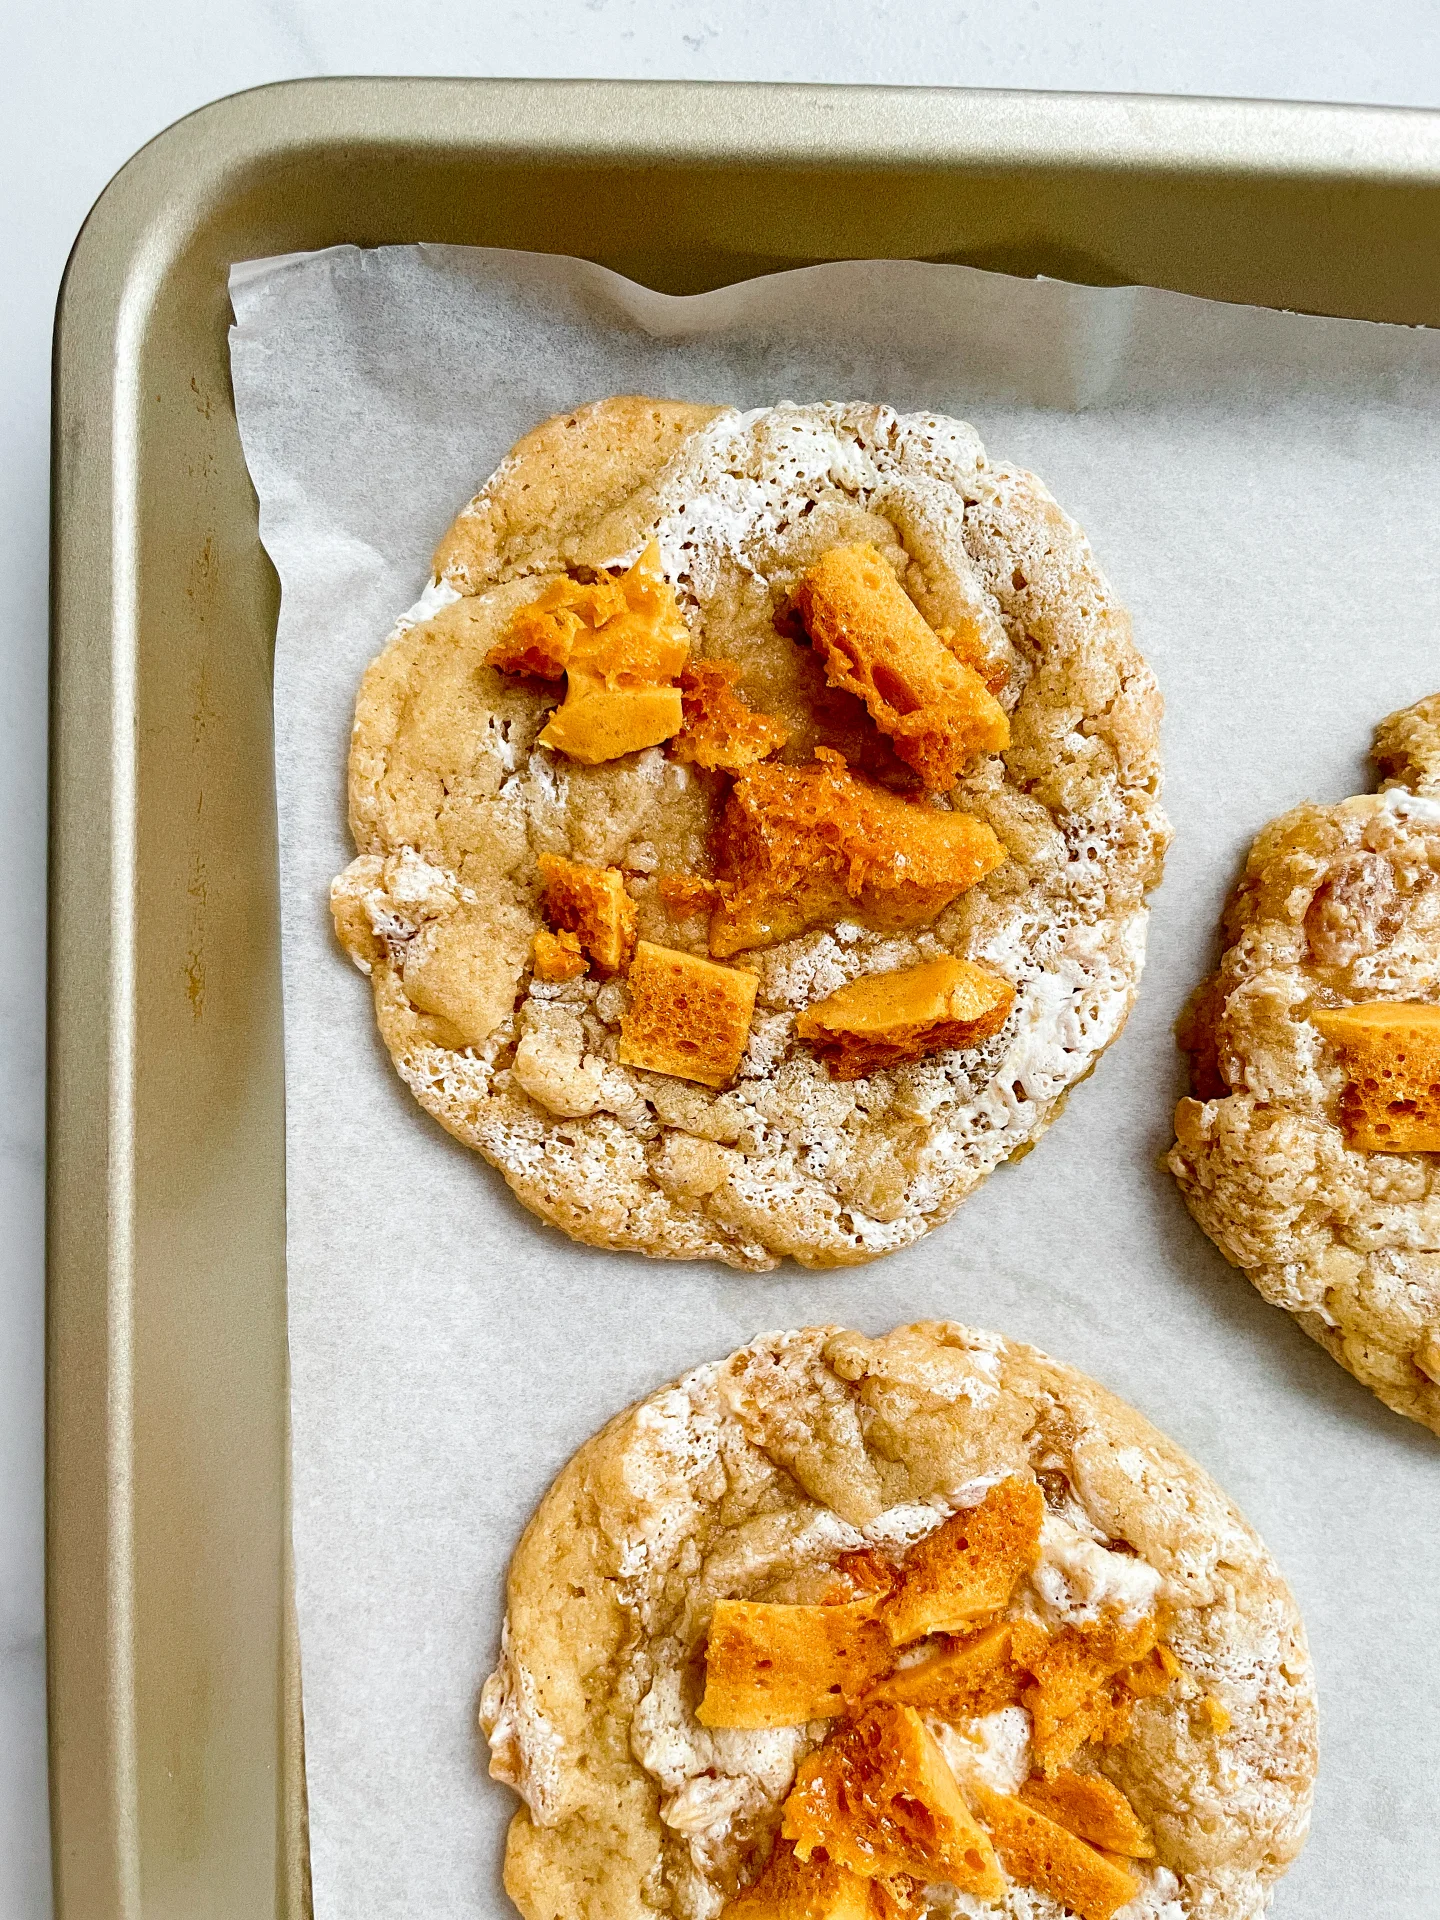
88 81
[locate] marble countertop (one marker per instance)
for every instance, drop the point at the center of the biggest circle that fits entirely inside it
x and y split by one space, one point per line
88 83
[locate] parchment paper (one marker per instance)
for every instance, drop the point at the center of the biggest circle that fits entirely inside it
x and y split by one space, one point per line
1264 493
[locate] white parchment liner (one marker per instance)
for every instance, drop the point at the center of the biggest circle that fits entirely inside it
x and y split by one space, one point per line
1263 491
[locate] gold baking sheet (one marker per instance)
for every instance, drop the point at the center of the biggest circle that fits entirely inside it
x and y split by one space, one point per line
177 1783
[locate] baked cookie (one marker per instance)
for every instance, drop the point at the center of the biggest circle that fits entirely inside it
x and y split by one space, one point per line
1311 1154
873 1628
823 882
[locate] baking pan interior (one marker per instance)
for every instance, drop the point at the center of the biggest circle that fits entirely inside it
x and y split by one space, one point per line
177 1778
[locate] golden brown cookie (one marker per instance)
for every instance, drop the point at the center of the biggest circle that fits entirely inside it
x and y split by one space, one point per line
1311 1154
1047 1660
771 821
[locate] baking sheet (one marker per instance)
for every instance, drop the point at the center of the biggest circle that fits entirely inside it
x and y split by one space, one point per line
1263 491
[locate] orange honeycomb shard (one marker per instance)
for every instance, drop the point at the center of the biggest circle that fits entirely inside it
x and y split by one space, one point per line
686 893
591 903
539 636
1077 1693
1390 1051
973 1678
597 722
620 640
883 1019
1089 1806
937 710
779 1666
879 1798
627 626
687 1017
969 1566
1153 1675
866 1571
967 643
720 730
1039 1853
897 1899
803 847
1214 1714
558 956
814 1889
1102 1719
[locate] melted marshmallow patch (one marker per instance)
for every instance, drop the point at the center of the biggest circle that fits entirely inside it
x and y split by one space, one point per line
1078 1579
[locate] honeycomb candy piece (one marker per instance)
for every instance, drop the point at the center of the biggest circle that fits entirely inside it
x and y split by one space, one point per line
779 1666
816 1889
627 627
597 722
1390 1051
721 731
687 893
967 643
647 639
687 1017
558 956
880 1799
1041 1854
539 636
803 847
591 903
619 640
863 1573
1213 1714
876 644
975 1677
1081 1657
897 1899
1094 1809
882 1019
1102 1719
969 1566
1077 1694
1153 1675
789 1889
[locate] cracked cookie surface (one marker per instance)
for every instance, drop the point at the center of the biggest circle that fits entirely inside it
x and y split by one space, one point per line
453 801
753 1484
1338 907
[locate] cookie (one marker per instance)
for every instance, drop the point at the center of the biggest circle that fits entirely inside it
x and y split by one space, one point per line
708 721
1311 1152
921 1624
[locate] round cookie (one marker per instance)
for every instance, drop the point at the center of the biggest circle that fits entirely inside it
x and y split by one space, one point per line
453 802
814 1464
1338 906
